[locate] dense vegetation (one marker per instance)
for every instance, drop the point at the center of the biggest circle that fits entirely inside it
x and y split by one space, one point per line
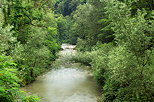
29 41
114 37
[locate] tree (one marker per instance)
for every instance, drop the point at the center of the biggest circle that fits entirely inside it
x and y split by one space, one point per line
88 22
66 7
129 78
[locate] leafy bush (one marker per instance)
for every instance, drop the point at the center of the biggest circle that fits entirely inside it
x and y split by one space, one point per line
9 82
83 45
30 99
126 80
83 57
100 61
6 39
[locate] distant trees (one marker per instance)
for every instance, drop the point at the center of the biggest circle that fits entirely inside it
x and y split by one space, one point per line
66 7
88 22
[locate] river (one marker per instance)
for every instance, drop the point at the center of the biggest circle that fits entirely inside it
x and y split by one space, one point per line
71 82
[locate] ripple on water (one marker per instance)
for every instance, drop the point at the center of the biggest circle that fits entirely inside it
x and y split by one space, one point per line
65 85
81 97
70 85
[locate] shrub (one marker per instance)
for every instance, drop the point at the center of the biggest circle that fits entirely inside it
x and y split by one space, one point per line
9 82
83 57
100 61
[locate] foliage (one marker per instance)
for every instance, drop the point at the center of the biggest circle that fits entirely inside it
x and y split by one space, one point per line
32 41
100 61
30 99
88 22
114 37
66 7
84 58
123 67
9 82
29 35
129 61
6 39
63 29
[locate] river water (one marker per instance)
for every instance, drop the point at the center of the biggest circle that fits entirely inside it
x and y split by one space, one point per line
69 83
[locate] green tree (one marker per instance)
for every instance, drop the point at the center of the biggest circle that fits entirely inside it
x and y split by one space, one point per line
91 24
66 7
129 78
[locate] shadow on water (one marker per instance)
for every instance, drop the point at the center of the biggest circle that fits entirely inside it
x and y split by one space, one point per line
69 83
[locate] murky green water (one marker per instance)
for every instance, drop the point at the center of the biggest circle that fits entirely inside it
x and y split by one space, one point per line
68 83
